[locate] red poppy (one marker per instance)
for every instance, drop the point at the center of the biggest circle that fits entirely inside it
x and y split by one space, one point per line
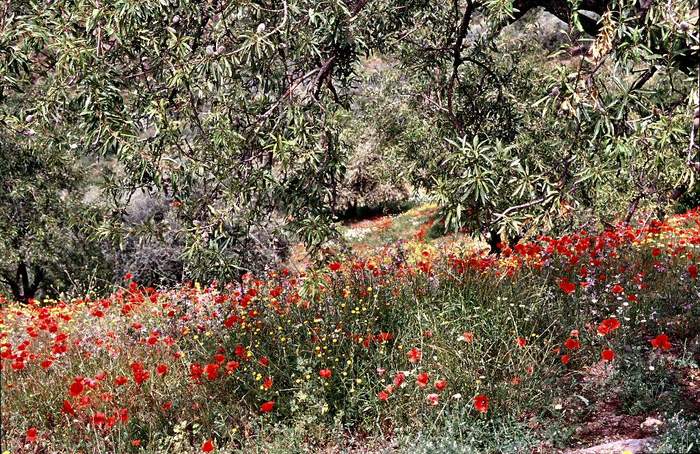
422 379
208 446
136 443
693 270
481 403
219 358
617 289
267 383
231 366
607 355
212 371
572 344
45 364
76 388
325 373
468 337
120 380
567 286
661 341
196 371
440 385
414 355
334 266
383 396
31 434
67 408
264 361
167 406
522 342
399 379
432 399
267 406
240 351
139 373
608 325
565 359
161 369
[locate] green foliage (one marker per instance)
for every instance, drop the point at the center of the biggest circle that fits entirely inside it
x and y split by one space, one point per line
44 246
259 122
229 110
681 436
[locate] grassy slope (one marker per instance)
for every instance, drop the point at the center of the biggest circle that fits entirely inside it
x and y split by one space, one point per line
374 324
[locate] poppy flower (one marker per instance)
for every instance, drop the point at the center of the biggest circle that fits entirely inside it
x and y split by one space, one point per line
219 358
481 403
76 388
422 379
31 434
67 408
212 371
566 286
136 443
468 337
264 361
240 351
383 396
432 399
399 378
693 270
334 266
231 366
267 406
414 355
661 341
522 342
440 385
608 325
208 446
267 383
120 380
572 344
565 359
325 373
45 364
617 289
161 369
607 355
167 406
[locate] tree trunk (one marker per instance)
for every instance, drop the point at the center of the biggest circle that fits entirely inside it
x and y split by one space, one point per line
22 290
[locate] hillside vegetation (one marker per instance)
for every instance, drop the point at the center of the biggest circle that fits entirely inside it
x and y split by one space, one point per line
349 226
410 345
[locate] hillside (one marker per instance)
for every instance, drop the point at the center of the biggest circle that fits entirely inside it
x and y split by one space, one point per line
408 346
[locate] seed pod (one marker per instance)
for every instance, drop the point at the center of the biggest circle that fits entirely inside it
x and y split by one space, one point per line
210 50
684 26
696 122
555 92
176 19
261 27
29 118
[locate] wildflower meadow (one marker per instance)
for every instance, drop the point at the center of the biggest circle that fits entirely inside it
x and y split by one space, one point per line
390 347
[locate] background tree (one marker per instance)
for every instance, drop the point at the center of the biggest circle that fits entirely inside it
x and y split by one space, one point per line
44 246
232 123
